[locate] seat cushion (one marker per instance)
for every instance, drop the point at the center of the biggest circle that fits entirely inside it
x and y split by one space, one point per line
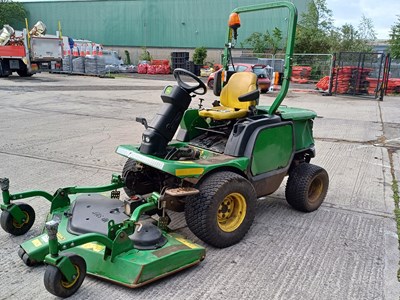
223 113
239 84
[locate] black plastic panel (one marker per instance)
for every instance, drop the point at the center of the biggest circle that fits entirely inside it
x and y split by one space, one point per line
92 212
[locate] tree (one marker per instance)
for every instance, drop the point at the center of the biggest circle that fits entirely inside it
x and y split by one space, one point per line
315 30
352 39
274 40
11 12
261 42
394 42
316 33
366 29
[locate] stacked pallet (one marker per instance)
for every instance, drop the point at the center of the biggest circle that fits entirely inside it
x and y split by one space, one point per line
323 84
301 74
372 85
179 60
393 86
66 63
78 65
95 65
350 80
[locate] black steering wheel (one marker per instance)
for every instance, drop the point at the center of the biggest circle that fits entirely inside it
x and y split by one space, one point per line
190 88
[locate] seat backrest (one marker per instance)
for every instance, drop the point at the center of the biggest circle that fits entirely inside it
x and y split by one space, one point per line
239 84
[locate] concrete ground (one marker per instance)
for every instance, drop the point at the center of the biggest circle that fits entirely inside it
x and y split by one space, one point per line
58 130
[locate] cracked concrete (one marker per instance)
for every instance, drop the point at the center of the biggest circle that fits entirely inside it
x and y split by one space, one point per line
56 131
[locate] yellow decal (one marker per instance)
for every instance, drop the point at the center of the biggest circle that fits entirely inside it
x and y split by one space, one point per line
189 171
186 162
93 246
186 242
60 236
36 243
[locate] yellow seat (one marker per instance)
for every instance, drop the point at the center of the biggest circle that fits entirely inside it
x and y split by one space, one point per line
231 108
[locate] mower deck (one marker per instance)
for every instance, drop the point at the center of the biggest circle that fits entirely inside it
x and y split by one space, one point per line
90 213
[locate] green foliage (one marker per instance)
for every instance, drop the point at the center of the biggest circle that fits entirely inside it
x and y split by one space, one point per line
127 59
394 42
352 40
199 55
145 55
366 29
11 13
274 40
260 42
316 33
256 42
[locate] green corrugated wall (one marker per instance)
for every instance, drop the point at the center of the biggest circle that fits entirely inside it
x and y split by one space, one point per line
154 23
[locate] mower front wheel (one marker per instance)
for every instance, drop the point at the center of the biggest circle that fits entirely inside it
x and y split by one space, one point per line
223 211
130 166
56 283
307 187
10 225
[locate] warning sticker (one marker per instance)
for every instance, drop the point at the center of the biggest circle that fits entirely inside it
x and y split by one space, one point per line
186 242
93 246
36 243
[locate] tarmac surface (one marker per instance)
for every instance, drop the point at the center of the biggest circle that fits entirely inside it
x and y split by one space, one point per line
59 130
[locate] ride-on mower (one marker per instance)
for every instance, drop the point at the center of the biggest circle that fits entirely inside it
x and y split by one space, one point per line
223 159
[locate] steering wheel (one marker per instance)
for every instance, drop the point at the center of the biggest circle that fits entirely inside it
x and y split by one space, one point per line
189 88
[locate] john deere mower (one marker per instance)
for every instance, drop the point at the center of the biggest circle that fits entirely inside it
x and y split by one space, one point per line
223 159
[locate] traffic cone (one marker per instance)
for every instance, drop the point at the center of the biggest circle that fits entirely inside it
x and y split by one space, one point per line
88 49
83 50
75 50
100 50
94 51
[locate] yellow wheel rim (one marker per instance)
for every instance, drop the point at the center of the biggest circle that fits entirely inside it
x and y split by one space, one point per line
68 285
315 190
231 212
17 225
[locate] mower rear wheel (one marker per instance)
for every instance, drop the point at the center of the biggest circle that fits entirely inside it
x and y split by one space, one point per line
10 225
307 187
223 211
56 283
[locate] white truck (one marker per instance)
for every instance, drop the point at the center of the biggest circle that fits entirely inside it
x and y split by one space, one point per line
28 55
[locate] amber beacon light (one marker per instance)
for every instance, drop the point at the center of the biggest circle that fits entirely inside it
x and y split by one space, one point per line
234 21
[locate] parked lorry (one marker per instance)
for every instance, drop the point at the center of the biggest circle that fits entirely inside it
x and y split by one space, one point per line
27 54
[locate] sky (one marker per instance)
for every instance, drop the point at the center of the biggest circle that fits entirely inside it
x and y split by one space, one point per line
382 12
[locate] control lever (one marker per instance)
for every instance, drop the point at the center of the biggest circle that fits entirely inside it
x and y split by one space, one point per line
142 121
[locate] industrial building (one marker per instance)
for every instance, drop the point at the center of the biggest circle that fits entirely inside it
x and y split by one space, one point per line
161 26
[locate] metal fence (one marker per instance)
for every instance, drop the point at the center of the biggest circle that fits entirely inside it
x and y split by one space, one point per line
307 69
362 74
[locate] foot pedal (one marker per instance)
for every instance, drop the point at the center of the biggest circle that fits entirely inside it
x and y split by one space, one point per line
115 194
182 191
163 222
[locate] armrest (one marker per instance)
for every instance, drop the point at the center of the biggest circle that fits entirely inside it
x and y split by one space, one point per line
251 96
